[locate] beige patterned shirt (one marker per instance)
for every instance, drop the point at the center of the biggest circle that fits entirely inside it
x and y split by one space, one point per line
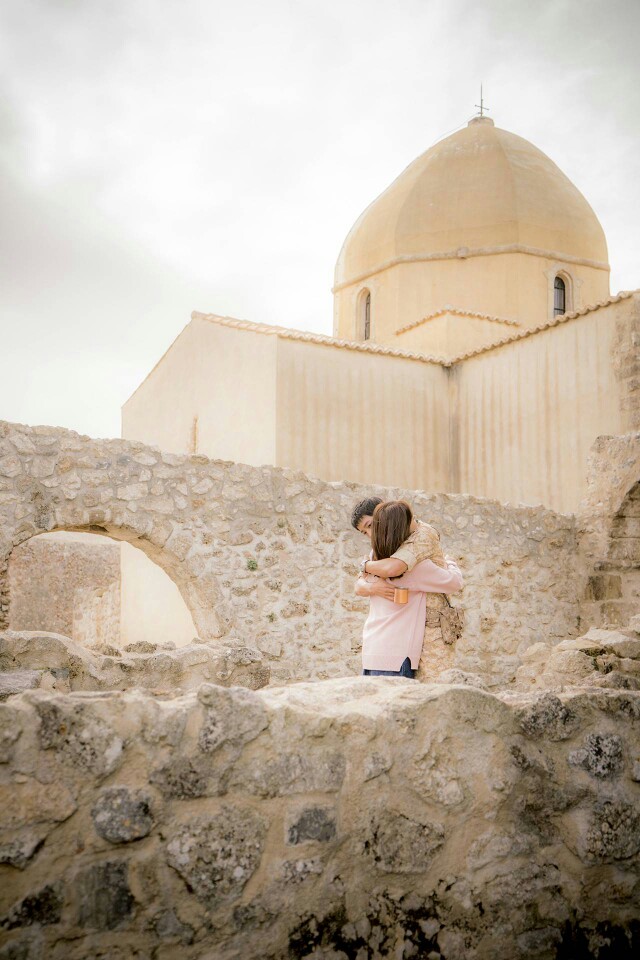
422 544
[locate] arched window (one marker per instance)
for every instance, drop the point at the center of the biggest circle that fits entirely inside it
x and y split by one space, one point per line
559 297
363 326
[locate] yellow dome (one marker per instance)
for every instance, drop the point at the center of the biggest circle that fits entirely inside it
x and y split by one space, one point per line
482 189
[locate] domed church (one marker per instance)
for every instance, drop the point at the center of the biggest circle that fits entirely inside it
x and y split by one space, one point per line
476 346
478 238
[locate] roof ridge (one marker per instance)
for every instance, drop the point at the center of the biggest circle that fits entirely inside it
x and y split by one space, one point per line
547 325
288 333
459 312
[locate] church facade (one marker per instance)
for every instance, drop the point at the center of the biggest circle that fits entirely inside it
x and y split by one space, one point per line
476 347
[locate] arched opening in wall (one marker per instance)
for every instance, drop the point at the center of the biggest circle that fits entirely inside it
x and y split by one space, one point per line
562 294
96 591
363 318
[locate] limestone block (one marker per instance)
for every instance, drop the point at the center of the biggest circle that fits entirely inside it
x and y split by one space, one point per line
601 755
623 646
570 665
536 653
291 772
608 832
83 741
19 680
588 645
614 680
311 824
43 907
398 844
547 717
121 815
30 802
106 902
216 856
19 849
456 676
185 778
235 715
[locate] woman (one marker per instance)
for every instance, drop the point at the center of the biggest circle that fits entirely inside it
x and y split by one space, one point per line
394 632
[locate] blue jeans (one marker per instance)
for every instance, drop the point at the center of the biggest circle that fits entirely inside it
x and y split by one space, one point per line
404 671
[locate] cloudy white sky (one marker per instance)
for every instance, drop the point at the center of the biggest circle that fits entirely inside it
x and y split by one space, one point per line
160 156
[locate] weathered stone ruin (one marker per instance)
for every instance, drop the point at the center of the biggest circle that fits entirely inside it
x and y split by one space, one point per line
249 795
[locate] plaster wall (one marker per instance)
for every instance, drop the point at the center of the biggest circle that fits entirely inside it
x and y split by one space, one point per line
362 417
514 286
213 392
152 608
527 413
55 578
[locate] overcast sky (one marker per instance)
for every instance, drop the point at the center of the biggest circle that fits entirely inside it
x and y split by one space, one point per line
161 156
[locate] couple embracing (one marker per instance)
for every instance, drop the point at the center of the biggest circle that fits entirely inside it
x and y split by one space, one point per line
411 625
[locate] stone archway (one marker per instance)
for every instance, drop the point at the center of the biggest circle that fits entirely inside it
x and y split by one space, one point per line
96 591
56 480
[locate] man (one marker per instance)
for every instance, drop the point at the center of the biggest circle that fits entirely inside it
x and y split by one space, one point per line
422 544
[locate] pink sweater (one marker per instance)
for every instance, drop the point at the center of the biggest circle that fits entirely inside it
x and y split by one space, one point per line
395 631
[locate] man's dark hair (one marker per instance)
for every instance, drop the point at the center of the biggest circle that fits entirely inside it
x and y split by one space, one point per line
364 509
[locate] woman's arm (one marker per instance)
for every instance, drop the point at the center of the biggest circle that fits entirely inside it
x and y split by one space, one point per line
429 578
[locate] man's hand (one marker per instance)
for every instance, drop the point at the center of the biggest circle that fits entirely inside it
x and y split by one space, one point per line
374 588
380 588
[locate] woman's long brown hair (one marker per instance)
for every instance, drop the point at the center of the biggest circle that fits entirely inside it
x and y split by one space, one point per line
389 527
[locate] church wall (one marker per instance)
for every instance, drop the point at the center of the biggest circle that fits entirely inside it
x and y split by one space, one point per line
510 286
213 392
152 608
54 578
344 415
528 412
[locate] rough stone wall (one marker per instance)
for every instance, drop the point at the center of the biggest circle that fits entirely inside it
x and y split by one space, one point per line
266 555
351 818
51 584
96 617
609 532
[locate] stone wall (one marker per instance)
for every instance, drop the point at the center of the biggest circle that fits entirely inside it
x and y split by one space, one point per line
53 584
609 532
350 818
267 556
96 620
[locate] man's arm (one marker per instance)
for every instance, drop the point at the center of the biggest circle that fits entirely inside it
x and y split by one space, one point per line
391 567
374 588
